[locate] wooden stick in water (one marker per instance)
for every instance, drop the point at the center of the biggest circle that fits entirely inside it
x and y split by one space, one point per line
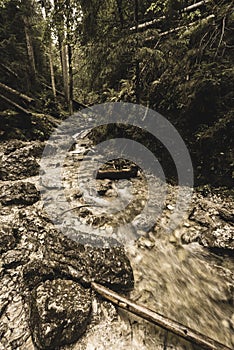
159 320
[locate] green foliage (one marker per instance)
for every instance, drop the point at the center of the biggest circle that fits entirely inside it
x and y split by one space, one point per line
13 53
180 64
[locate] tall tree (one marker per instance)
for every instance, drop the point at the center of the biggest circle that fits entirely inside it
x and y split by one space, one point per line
21 50
47 7
58 20
66 19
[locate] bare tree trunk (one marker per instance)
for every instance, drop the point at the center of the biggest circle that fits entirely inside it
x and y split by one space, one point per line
17 93
137 71
50 53
75 103
151 23
70 68
59 23
65 71
16 105
30 49
52 70
9 70
68 25
120 10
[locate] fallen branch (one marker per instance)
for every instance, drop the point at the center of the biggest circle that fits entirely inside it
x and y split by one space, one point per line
222 34
18 107
9 70
148 24
17 93
75 103
195 6
115 174
174 30
159 320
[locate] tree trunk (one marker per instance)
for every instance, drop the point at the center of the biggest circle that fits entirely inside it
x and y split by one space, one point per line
120 10
17 107
59 23
30 50
65 71
50 53
68 25
70 79
17 93
52 70
151 23
137 71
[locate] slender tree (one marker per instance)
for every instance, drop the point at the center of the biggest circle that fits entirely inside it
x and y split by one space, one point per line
46 6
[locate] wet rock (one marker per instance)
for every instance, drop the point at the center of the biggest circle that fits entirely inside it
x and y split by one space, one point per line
38 271
219 238
86 259
34 148
190 236
26 165
60 312
214 224
19 193
226 215
7 238
13 145
56 275
14 258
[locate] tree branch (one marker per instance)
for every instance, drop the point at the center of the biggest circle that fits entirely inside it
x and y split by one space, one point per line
148 24
159 320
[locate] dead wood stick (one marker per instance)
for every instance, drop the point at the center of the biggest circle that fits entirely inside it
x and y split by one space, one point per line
9 70
18 107
192 7
185 27
17 93
159 320
117 174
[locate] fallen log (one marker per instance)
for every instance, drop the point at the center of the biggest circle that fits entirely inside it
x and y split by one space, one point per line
185 27
9 70
16 93
116 174
154 21
17 107
59 93
159 320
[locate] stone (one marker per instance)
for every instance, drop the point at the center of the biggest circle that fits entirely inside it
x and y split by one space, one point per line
13 258
19 193
56 275
7 239
219 238
60 312
26 165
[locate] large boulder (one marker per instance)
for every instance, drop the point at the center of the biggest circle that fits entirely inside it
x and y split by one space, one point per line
60 311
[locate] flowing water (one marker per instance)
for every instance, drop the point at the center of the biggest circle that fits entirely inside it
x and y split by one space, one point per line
185 282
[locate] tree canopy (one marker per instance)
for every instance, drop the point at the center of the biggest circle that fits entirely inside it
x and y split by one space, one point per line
174 56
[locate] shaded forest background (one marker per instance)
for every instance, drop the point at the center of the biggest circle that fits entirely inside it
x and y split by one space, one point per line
172 56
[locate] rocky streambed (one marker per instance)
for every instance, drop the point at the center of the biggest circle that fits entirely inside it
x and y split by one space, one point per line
45 297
